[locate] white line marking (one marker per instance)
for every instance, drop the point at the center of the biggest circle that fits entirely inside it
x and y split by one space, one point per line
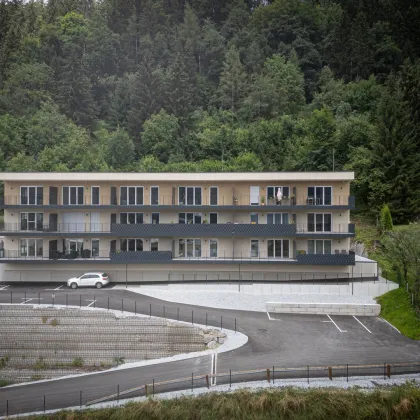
59 287
27 300
336 325
326 321
4 287
269 317
396 329
92 302
364 326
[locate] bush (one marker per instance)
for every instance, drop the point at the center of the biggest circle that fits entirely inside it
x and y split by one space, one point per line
385 219
54 322
77 362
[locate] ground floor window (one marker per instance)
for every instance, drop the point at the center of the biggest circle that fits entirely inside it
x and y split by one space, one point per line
154 244
189 248
213 248
255 248
31 247
131 244
319 246
278 248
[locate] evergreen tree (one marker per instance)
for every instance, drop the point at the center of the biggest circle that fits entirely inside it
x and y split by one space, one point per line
385 219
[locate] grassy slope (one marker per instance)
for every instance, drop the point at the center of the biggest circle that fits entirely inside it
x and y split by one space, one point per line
396 309
292 404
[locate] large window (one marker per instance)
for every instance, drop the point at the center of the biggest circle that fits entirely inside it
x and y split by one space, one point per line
32 195
255 248
95 195
131 218
154 196
131 196
131 244
73 196
95 247
31 221
319 196
273 193
155 218
213 218
31 247
213 248
190 196
190 218
278 248
277 218
319 222
214 196
319 247
154 244
189 248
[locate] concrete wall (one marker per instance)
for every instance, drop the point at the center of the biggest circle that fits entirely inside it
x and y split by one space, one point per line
324 308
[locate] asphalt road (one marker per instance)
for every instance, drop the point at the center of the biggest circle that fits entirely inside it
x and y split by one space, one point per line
284 341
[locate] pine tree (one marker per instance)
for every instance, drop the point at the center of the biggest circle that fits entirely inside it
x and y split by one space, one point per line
385 219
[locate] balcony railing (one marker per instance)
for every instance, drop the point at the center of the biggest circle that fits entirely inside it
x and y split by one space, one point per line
38 228
320 229
170 200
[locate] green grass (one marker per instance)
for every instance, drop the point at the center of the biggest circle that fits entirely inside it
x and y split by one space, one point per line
292 404
3 382
396 309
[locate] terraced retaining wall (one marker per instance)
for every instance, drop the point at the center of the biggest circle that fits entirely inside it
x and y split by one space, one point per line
324 308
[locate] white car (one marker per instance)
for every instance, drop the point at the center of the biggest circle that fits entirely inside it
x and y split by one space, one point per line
89 279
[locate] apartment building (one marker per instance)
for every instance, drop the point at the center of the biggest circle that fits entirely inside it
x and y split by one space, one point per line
138 227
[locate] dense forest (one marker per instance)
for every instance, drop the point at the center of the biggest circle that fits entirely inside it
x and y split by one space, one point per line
216 85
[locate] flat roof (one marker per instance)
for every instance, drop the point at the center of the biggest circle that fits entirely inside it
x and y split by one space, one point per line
176 176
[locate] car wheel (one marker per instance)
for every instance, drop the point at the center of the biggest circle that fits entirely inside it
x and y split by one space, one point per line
73 285
98 285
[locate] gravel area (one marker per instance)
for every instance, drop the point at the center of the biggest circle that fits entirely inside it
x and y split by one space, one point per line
242 301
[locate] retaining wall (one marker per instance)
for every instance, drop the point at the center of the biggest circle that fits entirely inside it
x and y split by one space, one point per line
324 308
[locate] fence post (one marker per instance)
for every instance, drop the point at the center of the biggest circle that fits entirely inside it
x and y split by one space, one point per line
207 381
308 374
150 310
273 375
347 372
268 376
330 372
44 403
388 371
81 399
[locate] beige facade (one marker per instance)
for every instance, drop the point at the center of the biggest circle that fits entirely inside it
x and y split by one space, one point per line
52 220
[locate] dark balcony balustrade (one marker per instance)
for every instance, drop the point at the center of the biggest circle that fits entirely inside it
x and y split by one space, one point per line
133 256
346 258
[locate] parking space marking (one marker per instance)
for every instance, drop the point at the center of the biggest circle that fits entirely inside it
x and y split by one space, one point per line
91 302
338 328
58 288
364 326
4 287
26 300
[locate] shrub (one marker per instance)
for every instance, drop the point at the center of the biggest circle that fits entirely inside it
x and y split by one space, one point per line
44 319
3 382
54 322
385 219
77 362
40 364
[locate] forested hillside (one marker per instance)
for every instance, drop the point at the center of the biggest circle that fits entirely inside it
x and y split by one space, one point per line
216 85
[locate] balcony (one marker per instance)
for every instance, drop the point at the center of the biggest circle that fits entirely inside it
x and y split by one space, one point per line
57 229
326 259
336 230
170 202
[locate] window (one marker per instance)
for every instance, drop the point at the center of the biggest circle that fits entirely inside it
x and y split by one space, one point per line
131 245
190 196
31 221
320 196
131 218
213 248
95 195
277 218
254 218
154 196
32 195
154 244
278 248
155 218
190 218
131 196
319 247
214 195
273 193
213 218
31 247
254 248
189 248
319 222
73 196
254 196
95 247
